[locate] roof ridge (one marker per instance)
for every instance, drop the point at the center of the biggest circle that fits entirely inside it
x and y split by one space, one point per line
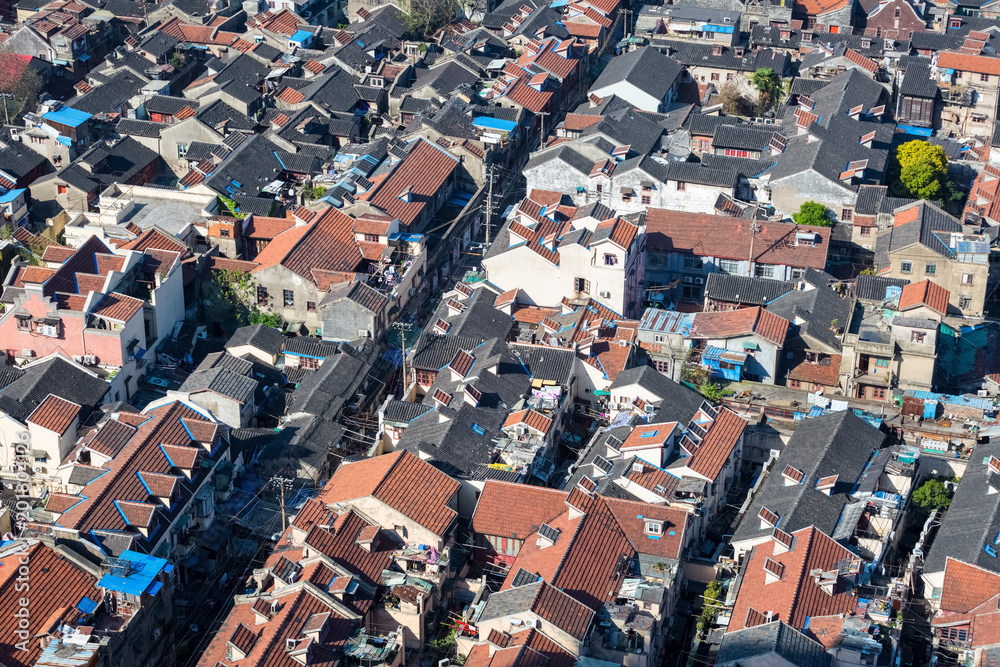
800 575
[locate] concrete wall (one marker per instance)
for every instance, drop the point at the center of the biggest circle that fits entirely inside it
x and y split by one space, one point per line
948 274
788 194
345 320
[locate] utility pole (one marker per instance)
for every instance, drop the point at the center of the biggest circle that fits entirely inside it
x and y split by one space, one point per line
541 141
489 203
403 327
754 228
281 483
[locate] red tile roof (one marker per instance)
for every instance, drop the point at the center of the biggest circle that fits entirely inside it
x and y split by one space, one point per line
925 293
860 60
727 238
969 63
326 244
723 435
118 307
530 418
815 8
796 596
584 560
58 503
57 586
33 275
290 95
515 510
55 414
965 586
741 322
424 171
261 227
402 481
815 373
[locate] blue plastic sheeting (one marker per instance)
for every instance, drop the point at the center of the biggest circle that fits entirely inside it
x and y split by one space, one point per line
10 196
86 605
65 141
67 116
139 577
460 199
494 123
916 131
726 29
301 36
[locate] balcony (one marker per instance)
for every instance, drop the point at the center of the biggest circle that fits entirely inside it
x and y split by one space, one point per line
878 348
882 378
369 650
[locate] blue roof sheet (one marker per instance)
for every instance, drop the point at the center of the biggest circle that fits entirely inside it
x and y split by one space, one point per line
494 123
10 196
301 36
67 116
140 578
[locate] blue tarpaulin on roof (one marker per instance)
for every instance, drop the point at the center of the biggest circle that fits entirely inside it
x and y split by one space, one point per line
300 36
917 131
67 116
133 573
727 29
10 196
494 123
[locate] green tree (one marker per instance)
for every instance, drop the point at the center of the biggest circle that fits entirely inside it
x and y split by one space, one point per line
813 214
712 392
923 171
768 85
733 102
177 61
239 290
313 192
712 604
932 494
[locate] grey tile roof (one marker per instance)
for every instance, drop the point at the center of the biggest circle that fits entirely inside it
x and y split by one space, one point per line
325 392
743 136
310 347
818 308
744 166
924 231
265 338
840 444
647 69
403 412
221 381
139 128
168 105
745 289
546 363
693 54
918 82
19 161
872 288
479 320
110 95
219 112
55 376
678 402
973 519
263 206
759 643
119 163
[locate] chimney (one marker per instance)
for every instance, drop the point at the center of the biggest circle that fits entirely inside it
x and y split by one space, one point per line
738 51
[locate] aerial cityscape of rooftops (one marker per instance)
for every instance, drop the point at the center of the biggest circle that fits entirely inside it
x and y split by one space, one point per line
499 333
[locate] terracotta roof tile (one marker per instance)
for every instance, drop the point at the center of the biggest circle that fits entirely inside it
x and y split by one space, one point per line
515 510
36 275
530 418
965 586
261 227
160 485
58 503
741 322
925 293
290 95
402 481
326 244
859 59
118 307
722 437
969 63
717 236
424 171
796 596
55 414
826 375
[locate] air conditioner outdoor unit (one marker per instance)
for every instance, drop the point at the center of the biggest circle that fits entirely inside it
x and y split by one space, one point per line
78 358
89 359
38 469
699 281
27 352
982 393
688 280
605 295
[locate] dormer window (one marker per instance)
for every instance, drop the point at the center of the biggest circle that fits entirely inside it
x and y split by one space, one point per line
654 528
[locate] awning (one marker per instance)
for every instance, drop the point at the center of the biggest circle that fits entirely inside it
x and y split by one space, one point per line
916 131
60 62
726 29
84 58
749 345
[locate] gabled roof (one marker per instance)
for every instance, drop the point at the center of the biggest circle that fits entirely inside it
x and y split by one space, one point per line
647 69
546 601
402 481
745 290
515 510
774 638
421 175
741 322
836 444
795 595
925 293
327 244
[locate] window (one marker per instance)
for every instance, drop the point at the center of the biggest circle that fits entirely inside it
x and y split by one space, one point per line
704 144
224 233
917 336
600 188
878 393
881 363
715 76
930 269
610 259
261 295
798 274
182 150
795 384
425 378
897 13
847 214
659 338
763 270
964 302
654 528
906 267
645 200
647 187
730 266
955 23
662 366
23 323
62 189
966 278
681 186
308 363
954 634
692 292
310 305
693 263
581 285
626 197
984 77
288 297
729 76
866 231
732 152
